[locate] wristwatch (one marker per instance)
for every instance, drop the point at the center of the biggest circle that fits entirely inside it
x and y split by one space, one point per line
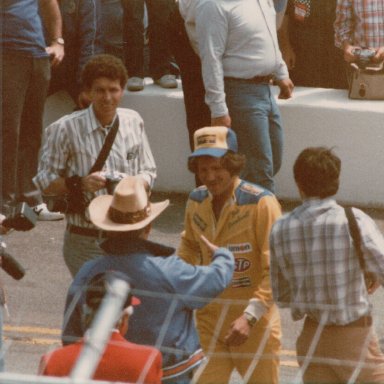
59 40
250 319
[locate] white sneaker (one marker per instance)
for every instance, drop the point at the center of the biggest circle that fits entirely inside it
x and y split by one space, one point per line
167 81
43 214
135 84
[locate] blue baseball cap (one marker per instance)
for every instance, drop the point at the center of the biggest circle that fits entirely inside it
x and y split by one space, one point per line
214 141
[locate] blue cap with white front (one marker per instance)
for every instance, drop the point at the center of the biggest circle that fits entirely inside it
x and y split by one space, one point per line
214 141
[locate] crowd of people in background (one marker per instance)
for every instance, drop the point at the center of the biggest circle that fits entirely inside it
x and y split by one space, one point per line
98 161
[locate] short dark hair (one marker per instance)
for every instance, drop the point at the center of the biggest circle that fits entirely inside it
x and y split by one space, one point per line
96 289
104 65
231 161
316 171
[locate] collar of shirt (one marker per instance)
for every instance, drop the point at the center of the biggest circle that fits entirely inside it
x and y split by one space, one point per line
95 124
232 199
313 207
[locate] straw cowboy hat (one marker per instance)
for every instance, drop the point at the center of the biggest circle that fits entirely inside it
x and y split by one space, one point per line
128 209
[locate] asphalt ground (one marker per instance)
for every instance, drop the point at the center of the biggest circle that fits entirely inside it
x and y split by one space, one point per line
36 302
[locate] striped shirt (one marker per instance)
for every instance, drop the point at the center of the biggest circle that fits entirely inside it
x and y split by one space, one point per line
314 267
72 144
360 22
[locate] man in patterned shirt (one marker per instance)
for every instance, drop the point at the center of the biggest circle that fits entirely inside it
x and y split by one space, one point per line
73 143
360 24
315 272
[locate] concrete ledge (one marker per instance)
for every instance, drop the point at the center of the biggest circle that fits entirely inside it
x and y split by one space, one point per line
313 117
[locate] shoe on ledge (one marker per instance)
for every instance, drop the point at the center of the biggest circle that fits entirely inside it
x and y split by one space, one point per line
135 84
167 81
43 214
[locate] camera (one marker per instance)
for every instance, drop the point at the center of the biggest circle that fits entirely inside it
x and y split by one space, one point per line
68 203
364 56
10 264
111 182
20 218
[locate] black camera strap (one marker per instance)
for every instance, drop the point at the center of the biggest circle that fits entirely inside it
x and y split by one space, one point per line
104 152
78 202
355 234
369 277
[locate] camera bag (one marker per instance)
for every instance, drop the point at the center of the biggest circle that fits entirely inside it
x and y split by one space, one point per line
366 83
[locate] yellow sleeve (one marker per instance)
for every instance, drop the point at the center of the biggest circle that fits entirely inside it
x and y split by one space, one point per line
189 249
267 212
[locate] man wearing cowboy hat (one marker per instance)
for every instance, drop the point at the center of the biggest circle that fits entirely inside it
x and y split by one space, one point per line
121 360
238 215
169 289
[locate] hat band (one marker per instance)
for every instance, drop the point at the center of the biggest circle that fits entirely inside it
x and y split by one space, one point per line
128 217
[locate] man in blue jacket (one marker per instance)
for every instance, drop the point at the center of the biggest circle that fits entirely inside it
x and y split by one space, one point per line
169 289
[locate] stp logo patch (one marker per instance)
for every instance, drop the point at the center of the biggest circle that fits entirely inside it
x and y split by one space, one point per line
241 264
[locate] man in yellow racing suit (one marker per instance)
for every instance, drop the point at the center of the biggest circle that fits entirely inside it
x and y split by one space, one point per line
242 331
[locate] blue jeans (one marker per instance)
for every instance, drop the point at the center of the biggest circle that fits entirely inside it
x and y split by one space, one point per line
257 122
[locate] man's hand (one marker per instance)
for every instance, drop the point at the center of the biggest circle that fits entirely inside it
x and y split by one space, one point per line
238 333
93 182
348 49
222 121
379 56
286 87
56 53
212 247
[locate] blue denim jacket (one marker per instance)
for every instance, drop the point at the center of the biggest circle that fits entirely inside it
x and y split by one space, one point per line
169 290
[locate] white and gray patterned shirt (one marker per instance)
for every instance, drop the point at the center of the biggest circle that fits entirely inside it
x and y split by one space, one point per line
236 38
315 270
72 144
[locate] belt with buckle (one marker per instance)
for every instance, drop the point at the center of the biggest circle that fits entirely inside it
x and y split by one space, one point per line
254 80
92 232
364 321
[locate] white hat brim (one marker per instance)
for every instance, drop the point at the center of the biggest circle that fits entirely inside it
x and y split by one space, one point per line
98 213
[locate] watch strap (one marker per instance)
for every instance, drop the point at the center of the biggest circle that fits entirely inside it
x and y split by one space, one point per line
251 320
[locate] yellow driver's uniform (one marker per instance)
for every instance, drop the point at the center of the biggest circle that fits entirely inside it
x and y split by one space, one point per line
243 227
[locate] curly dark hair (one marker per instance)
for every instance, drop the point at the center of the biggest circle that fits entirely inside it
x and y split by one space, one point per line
231 161
317 171
104 65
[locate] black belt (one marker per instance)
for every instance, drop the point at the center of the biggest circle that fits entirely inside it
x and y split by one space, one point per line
85 231
364 321
254 80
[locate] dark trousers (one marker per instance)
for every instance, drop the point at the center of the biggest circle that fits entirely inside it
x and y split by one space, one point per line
24 87
197 112
318 62
158 34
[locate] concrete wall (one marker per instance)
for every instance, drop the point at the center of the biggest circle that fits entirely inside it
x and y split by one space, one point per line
312 117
